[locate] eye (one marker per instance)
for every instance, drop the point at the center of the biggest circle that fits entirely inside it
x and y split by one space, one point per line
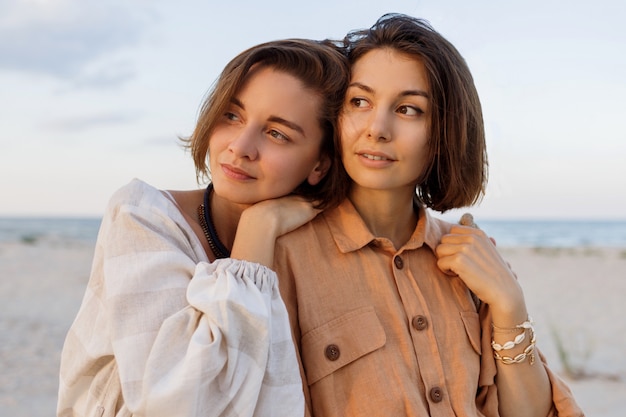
358 102
278 135
410 110
229 115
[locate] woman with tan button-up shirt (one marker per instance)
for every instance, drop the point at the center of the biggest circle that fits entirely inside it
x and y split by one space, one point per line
394 312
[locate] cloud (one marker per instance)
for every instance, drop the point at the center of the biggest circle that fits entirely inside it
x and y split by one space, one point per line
82 123
162 141
114 73
70 39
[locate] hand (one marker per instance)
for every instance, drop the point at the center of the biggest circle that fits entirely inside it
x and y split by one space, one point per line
261 224
474 258
281 215
469 253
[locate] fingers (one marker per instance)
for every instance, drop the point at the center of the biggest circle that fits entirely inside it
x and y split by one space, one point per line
468 220
461 245
463 235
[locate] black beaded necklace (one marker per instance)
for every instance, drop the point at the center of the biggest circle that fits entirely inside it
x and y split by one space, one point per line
206 222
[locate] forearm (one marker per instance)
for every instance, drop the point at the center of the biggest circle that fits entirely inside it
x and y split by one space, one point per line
523 385
524 394
255 239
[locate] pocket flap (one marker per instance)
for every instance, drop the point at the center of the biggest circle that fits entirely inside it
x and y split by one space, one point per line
341 341
471 321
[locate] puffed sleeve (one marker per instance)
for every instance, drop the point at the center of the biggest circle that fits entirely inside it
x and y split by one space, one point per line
191 337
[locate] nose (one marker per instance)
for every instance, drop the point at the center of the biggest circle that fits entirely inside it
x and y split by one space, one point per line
245 143
379 126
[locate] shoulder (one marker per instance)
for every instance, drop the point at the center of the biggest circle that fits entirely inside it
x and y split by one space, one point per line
147 214
135 193
440 225
142 202
139 196
304 234
303 231
434 227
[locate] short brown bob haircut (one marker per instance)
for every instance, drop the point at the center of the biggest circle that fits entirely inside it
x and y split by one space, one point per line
456 175
320 66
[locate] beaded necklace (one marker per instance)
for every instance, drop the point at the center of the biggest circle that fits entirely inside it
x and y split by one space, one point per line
206 222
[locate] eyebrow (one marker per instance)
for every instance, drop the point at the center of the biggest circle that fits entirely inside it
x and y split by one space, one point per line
402 94
275 119
291 125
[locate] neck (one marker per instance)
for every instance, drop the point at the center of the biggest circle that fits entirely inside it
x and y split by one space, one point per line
226 215
387 213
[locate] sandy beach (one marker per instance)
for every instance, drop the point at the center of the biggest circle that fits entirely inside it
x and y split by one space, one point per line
575 296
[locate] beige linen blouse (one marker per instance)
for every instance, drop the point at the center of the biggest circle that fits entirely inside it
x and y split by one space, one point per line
383 332
163 332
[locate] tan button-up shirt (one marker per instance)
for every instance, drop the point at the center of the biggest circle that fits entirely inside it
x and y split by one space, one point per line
383 332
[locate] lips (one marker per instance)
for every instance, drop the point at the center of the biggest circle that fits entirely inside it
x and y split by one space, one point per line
375 156
235 173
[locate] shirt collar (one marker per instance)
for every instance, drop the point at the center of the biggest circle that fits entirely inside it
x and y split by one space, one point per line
351 233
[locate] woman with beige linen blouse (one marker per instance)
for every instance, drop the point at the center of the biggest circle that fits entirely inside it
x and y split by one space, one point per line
176 321
394 312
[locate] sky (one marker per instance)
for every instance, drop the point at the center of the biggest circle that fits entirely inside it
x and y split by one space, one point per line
94 93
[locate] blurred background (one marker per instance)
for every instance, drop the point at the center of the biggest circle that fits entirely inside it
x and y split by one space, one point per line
94 93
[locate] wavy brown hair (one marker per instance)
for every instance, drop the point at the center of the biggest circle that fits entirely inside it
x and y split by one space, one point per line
320 66
456 175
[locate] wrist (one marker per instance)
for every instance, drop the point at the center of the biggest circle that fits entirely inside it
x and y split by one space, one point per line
508 317
510 309
504 344
256 221
255 237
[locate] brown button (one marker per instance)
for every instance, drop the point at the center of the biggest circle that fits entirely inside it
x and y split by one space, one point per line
436 394
332 352
398 262
419 322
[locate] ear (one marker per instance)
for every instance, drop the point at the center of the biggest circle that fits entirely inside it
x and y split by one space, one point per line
319 171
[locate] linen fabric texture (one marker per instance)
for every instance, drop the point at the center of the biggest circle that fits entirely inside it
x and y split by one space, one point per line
162 331
382 331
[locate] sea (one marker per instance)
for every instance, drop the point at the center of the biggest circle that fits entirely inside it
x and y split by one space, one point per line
507 233
36 229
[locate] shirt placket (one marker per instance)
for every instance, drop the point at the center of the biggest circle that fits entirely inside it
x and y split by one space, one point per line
422 336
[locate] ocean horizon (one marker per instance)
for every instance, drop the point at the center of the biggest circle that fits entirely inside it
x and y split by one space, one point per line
506 232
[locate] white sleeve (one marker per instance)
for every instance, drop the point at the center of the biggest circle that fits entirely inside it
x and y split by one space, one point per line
194 338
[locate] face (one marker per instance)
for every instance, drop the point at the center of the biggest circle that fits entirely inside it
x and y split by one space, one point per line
268 141
384 121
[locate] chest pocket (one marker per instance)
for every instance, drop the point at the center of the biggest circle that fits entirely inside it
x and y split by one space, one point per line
472 327
340 342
